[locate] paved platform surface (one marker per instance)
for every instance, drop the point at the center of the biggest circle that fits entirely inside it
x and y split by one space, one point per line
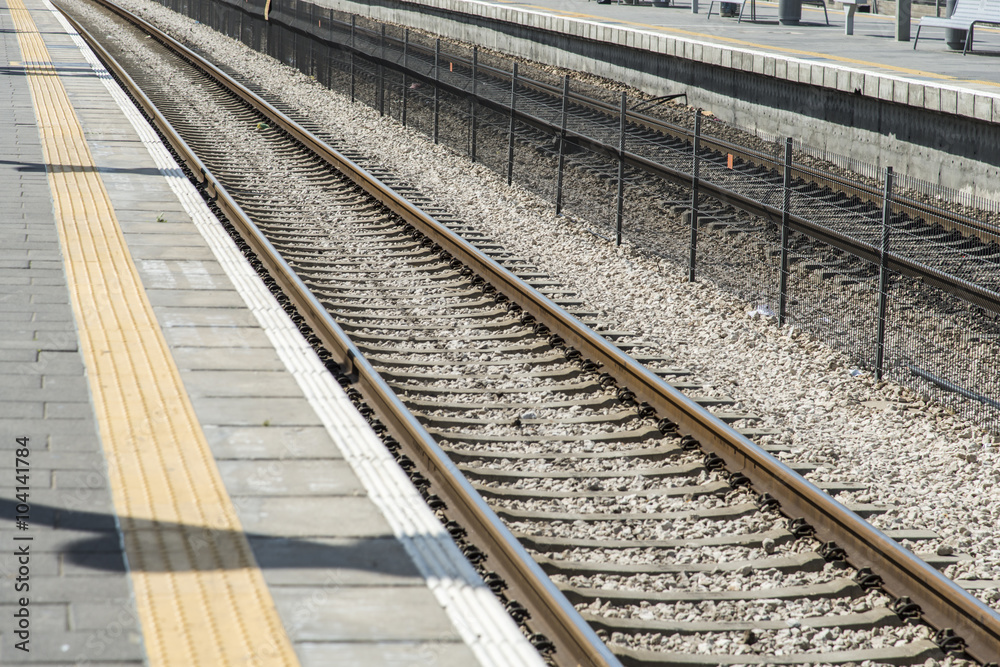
873 46
191 488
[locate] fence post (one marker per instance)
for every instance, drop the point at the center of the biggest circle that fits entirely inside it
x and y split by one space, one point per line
510 135
381 73
785 214
695 145
621 169
437 80
562 144
883 276
406 65
472 120
354 19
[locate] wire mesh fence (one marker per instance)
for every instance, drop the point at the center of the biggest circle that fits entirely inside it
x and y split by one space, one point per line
898 272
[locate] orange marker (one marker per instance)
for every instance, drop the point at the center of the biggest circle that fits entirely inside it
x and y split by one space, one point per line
729 161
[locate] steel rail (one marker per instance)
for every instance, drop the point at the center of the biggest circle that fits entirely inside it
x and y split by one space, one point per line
944 604
575 641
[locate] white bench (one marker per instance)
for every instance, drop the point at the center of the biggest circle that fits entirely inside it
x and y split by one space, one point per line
966 15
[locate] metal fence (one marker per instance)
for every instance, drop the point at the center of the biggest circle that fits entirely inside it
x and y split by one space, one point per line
854 265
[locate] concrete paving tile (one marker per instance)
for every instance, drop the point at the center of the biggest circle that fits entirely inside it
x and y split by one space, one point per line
74 509
378 561
15 272
83 648
20 354
84 440
90 518
270 442
36 279
60 541
62 298
287 478
91 663
18 264
218 384
215 298
51 314
90 616
205 317
49 254
91 564
189 238
255 412
20 381
207 359
21 410
76 564
311 517
45 264
80 479
44 366
132 227
397 654
171 253
67 410
64 340
82 461
11 315
45 618
354 614
217 337
61 589
33 289
38 329
198 270
56 356
22 302
69 384
39 478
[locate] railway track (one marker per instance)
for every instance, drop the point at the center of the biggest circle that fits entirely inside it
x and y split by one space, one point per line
739 175
653 517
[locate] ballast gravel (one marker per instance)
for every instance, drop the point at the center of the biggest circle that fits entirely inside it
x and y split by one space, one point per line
929 468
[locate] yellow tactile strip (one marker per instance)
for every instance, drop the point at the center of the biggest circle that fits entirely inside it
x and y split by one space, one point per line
199 593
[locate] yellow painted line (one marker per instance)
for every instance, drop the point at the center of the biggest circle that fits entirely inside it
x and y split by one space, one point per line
200 595
740 42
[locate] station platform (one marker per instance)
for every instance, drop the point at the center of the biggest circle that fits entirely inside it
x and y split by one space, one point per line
930 113
183 483
814 51
872 48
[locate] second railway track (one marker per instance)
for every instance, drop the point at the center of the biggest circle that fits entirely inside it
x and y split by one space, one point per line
656 520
